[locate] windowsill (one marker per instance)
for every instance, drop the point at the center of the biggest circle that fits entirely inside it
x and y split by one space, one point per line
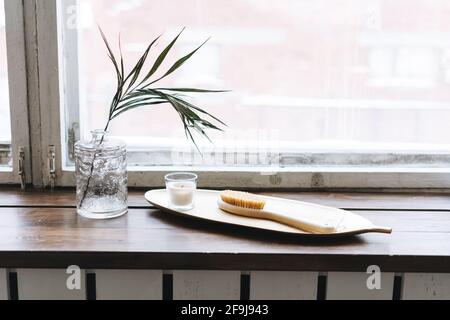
40 229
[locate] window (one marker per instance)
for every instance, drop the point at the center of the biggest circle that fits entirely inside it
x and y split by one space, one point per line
5 127
313 82
15 164
324 93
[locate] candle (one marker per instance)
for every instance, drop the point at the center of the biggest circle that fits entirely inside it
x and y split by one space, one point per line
181 194
181 189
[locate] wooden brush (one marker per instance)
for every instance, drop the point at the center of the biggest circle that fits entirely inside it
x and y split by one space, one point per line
254 206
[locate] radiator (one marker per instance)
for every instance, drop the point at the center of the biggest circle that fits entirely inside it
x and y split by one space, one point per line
32 284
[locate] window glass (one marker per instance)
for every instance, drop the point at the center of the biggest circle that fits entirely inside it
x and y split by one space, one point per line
5 125
324 77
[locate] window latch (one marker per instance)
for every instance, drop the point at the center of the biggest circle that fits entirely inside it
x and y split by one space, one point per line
21 170
52 165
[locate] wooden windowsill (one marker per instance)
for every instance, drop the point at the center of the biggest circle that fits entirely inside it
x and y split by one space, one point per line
40 229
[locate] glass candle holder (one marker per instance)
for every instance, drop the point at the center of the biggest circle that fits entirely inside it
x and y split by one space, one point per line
181 189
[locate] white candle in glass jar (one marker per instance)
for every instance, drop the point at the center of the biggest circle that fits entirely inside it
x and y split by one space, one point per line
181 188
181 194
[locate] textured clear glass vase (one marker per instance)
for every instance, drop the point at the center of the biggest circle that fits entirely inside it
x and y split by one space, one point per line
101 174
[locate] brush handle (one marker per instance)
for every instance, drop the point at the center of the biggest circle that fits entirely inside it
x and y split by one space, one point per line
325 226
314 224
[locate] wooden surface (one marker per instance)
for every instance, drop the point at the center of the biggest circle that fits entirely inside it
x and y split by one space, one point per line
12 196
42 230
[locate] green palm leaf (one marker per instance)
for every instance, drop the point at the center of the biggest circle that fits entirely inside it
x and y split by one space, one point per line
134 106
179 63
130 96
111 55
161 58
192 90
138 67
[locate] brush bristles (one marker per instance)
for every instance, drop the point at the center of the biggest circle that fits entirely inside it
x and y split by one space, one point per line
243 199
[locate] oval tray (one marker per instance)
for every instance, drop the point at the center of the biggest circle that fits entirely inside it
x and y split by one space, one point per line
206 209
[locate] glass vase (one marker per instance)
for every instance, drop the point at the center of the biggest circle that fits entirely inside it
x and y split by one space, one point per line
101 174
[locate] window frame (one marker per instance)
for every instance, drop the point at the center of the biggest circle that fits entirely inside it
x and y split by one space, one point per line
18 93
298 177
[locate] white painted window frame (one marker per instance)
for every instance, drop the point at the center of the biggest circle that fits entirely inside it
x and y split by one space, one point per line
18 97
51 94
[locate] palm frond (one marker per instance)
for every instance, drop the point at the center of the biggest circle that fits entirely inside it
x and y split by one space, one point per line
191 90
135 73
122 69
161 58
111 56
130 96
136 105
179 63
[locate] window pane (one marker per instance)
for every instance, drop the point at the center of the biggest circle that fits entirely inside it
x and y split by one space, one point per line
5 125
321 77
